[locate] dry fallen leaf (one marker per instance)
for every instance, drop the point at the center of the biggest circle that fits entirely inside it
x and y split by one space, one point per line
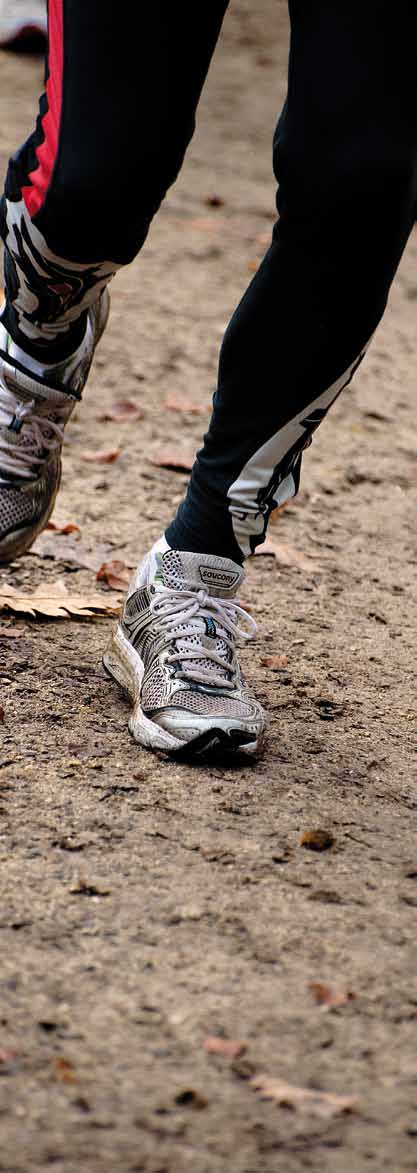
116 574
326 996
71 550
101 457
274 662
11 632
230 1048
184 404
63 1070
69 528
122 410
177 460
54 601
317 839
302 1099
288 556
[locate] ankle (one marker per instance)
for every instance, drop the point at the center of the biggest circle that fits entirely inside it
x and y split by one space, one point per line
48 352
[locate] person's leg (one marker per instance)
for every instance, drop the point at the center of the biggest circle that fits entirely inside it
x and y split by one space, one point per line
345 155
114 123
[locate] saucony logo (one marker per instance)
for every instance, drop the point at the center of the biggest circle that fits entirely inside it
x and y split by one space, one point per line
223 579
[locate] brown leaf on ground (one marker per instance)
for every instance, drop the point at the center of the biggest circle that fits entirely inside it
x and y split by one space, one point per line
54 601
69 528
123 410
63 1070
317 839
326 996
116 574
183 404
288 556
71 550
302 1099
11 632
176 460
274 662
230 1048
101 457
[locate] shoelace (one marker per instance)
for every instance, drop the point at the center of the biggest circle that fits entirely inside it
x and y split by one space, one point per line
41 435
176 611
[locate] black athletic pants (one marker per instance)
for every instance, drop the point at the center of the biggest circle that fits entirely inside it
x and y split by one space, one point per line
114 124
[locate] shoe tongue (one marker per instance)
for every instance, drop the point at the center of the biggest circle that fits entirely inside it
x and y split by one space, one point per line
27 388
181 570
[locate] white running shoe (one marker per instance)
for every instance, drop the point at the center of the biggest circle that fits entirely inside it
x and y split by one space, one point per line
35 403
21 20
174 654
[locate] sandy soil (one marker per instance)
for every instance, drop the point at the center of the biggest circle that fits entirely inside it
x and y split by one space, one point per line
200 913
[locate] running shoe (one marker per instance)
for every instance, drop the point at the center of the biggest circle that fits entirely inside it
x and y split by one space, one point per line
174 653
22 20
35 404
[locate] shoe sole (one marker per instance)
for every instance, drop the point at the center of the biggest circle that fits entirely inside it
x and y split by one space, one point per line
124 665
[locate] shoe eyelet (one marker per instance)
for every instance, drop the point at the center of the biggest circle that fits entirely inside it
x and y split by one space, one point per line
15 424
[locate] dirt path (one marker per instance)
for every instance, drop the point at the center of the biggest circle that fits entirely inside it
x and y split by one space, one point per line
202 914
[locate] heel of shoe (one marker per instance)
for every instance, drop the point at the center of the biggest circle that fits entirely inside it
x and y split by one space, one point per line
123 664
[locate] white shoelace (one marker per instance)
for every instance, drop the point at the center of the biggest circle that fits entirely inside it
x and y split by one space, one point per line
176 611
41 435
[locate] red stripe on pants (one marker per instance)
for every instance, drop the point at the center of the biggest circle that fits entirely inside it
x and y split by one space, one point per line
46 152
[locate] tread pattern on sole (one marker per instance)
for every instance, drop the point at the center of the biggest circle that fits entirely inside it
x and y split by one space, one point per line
215 741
